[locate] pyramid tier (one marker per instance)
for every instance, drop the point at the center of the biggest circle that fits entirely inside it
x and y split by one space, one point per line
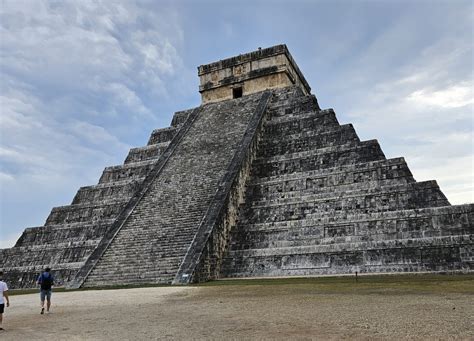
452 253
341 228
118 190
146 153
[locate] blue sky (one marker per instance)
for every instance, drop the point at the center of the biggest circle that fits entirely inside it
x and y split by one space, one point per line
81 82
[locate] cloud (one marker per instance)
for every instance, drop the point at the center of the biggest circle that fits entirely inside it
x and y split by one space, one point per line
9 240
452 97
423 110
79 82
6 177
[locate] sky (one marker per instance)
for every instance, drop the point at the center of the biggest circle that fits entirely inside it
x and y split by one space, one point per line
82 82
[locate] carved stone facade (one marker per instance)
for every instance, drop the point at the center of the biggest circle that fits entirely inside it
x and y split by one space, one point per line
265 184
249 73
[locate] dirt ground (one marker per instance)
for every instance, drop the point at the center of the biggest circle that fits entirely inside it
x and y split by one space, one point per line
299 311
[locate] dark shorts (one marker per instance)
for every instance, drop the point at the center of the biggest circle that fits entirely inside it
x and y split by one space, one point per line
45 293
2 308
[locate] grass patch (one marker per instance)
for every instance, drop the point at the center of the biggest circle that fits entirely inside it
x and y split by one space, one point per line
396 284
366 284
15 292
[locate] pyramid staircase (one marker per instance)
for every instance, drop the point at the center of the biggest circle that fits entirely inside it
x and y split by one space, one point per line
152 243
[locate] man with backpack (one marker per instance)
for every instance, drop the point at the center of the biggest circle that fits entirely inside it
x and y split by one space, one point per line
46 281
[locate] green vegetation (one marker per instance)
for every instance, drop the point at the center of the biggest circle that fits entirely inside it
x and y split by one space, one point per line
366 284
396 284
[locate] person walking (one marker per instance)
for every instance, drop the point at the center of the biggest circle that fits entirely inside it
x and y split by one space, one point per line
45 281
3 298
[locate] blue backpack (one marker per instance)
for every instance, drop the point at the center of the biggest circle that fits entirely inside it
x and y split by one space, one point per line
46 281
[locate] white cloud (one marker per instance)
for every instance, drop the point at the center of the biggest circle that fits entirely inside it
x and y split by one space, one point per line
4 178
73 75
8 240
416 97
452 97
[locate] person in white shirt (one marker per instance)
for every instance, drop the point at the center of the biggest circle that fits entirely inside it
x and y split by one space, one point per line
3 298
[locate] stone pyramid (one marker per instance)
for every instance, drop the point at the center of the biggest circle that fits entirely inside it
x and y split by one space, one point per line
257 181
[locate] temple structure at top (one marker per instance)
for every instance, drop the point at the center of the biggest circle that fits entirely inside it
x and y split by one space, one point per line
245 74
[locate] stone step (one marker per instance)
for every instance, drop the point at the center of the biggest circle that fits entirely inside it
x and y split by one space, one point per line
448 220
33 268
117 190
438 215
348 232
58 245
330 157
166 247
316 151
162 135
164 264
131 171
307 141
358 172
169 263
410 196
149 152
285 96
155 260
293 106
160 279
308 186
161 271
317 121
49 254
302 183
340 192
159 261
402 255
180 117
288 138
188 209
178 243
307 240
114 273
151 260
148 276
356 246
85 212
167 230
81 231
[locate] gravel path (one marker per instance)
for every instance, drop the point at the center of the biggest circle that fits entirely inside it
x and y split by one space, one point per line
282 312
